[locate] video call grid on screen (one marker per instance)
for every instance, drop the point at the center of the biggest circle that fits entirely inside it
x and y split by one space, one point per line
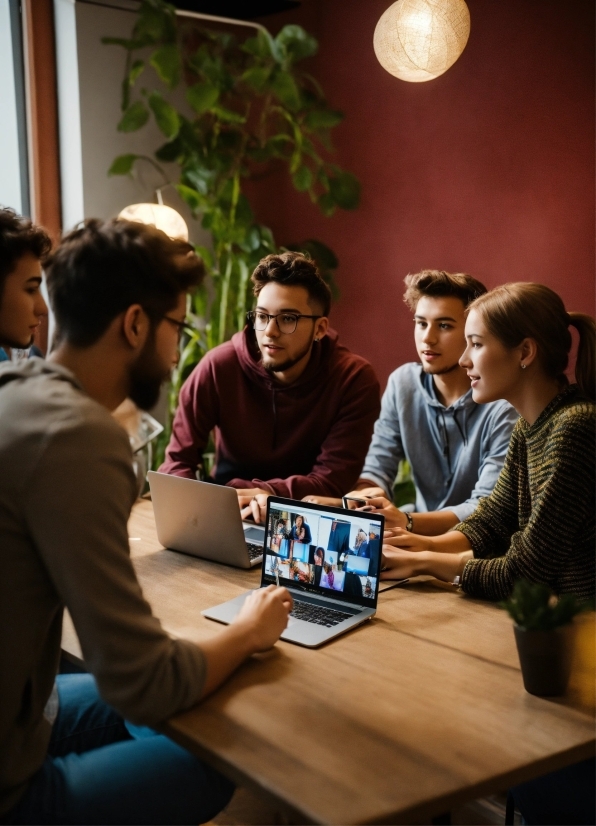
331 552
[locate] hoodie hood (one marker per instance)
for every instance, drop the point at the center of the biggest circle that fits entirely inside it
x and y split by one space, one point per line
249 358
32 368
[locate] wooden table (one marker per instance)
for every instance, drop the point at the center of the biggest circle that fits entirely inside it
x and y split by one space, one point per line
410 715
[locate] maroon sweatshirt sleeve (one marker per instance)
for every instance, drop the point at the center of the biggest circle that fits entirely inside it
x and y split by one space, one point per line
342 453
196 416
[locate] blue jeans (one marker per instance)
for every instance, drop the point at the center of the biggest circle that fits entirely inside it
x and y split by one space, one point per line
101 770
565 796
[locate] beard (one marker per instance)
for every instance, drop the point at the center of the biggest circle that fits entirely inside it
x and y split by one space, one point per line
271 367
146 377
440 371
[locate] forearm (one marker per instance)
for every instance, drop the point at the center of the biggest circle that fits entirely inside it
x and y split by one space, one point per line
224 653
434 523
364 483
452 542
443 566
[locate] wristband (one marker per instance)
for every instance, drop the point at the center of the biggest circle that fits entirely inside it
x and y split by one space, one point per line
409 522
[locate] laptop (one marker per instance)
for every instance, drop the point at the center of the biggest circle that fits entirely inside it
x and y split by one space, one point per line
328 558
203 520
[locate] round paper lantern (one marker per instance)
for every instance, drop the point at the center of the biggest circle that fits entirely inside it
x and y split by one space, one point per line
159 215
418 40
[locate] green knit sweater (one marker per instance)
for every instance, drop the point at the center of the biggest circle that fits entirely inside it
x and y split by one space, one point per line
538 523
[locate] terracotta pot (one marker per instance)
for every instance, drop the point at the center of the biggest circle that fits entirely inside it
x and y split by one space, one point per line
545 658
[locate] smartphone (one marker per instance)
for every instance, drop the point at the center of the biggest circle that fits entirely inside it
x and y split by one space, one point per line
351 503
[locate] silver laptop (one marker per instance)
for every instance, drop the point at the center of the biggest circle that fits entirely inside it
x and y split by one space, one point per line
202 519
328 558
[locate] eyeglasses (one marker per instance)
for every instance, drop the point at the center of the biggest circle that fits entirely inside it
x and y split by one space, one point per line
182 326
286 322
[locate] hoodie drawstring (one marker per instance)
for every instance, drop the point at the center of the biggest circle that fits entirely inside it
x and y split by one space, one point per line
274 418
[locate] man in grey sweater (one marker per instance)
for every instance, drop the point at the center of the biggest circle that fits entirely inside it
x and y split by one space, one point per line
456 448
67 755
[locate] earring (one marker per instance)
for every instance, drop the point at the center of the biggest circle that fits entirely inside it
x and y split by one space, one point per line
316 339
523 366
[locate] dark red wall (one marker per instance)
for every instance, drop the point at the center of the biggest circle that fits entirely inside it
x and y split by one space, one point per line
488 169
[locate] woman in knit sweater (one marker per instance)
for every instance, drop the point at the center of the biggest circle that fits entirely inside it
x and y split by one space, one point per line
538 523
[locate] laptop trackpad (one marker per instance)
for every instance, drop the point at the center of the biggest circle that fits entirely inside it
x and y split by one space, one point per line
254 534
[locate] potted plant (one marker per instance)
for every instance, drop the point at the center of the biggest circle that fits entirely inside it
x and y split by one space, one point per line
544 635
251 108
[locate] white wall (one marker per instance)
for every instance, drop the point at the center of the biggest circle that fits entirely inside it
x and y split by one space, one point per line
100 73
10 178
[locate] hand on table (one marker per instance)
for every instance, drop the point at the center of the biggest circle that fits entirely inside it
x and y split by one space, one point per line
400 564
265 614
253 503
400 538
394 518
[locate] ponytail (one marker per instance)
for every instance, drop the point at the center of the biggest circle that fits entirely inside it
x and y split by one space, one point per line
585 365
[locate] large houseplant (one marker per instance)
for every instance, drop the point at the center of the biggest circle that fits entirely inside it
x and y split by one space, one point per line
250 107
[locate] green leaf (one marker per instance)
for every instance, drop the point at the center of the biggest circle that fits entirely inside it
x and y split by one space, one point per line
302 178
166 62
135 71
256 77
118 41
205 254
169 151
166 116
284 86
156 22
345 190
323 119
320 252
129 81
135 116
297 43
202 96
190 197
533 607
122 165
327 204
262 46
227 115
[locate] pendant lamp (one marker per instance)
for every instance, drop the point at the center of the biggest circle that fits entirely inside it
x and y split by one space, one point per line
159 215
418 40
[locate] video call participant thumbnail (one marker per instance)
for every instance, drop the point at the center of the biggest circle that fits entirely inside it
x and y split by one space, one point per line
292 409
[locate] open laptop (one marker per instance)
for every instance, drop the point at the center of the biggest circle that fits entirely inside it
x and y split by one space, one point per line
203 519
328 558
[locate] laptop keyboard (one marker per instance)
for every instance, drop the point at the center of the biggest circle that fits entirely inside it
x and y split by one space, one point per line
254 551
318 614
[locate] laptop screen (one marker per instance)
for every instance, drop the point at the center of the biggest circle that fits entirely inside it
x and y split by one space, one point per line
327 551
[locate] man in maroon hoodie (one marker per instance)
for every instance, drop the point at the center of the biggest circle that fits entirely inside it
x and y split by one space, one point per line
292 409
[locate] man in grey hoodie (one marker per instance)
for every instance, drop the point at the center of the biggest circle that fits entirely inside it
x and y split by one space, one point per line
456 448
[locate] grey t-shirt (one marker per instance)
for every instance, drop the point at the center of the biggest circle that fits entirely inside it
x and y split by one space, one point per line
66 491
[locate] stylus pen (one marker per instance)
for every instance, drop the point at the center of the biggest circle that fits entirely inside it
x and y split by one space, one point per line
395 585
277 577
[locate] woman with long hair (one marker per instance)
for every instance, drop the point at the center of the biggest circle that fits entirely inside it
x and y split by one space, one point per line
538 523
301 531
